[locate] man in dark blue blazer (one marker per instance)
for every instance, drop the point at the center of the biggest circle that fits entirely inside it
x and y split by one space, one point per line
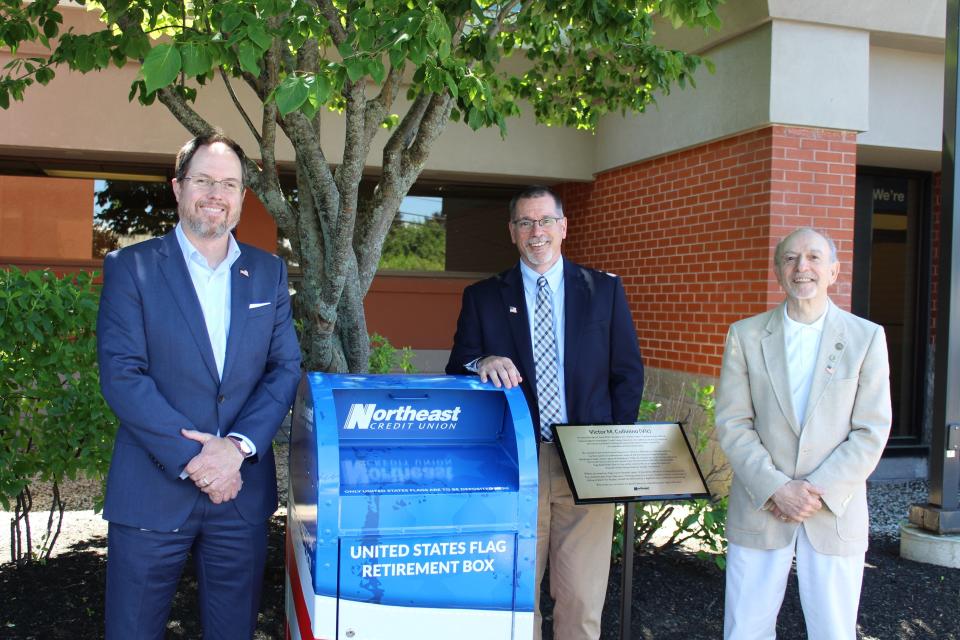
200 362
564 334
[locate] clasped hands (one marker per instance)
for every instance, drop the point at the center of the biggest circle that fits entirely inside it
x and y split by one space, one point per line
216 469
796 501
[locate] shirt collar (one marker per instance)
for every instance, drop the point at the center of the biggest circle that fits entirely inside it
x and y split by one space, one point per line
192 254
792 327
554 276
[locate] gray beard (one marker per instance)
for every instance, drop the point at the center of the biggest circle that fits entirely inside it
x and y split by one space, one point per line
206 231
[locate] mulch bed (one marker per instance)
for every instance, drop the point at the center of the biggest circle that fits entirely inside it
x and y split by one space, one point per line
675 596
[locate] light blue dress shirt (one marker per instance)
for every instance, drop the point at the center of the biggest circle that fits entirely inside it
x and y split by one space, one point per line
213 291
554 278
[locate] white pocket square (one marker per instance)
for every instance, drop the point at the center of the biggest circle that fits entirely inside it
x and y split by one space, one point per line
257 305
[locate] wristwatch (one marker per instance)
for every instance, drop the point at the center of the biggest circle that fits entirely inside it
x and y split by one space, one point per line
241 446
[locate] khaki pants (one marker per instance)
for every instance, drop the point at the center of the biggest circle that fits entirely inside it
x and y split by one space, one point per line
577 540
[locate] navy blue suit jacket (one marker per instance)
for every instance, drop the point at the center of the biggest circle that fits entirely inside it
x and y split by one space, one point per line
158 374
603 371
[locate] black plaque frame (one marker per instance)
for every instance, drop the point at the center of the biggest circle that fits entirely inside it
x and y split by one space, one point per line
560 435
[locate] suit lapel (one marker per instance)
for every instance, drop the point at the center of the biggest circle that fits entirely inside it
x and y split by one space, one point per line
833 343
240 292
775 358
174 270
515 306
576 300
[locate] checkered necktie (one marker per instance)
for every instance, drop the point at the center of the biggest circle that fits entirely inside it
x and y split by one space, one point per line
545 360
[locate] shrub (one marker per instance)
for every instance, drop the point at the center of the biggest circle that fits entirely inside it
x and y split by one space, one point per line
701 520
54 424
386 358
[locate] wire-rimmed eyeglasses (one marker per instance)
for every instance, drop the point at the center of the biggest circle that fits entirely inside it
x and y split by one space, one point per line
206 183
526 224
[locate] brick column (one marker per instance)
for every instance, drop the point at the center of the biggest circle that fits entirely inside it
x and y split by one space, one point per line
692 233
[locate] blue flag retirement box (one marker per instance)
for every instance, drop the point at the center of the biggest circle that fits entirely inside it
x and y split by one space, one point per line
412 510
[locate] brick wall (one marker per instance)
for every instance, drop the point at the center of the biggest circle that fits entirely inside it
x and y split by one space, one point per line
692 233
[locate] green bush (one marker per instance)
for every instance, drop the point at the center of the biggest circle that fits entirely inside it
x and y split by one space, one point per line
54 424
702 520
415 246
386 358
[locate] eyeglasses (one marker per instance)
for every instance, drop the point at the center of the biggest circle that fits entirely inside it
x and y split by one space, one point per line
526 224
205 183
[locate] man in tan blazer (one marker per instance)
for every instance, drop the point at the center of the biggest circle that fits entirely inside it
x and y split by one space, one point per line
803 413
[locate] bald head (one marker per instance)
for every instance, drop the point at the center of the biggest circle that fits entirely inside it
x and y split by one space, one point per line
778 252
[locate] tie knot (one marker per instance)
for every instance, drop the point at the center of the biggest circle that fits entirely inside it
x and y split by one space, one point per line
542 283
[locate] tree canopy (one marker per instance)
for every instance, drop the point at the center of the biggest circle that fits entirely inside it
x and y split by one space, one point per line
480 62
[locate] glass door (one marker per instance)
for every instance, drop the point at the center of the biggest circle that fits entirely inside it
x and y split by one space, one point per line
891 284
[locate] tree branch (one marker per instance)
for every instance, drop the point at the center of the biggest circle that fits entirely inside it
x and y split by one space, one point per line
299 130
184 113
378 108
431 126
337 31
402 165
239 107
355 146
404 133
266 182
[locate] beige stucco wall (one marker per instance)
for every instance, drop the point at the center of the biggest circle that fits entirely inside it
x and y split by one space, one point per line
914 23
819 76
735 98
906 110
887 86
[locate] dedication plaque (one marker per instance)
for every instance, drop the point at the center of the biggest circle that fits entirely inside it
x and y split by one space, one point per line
629 462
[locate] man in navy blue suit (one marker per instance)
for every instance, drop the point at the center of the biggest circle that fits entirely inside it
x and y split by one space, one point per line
200 362
564 334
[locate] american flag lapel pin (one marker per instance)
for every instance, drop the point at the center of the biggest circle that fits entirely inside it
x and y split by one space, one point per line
513 310
245 273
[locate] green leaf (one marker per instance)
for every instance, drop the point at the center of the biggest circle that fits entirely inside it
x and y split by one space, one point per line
377 71
196 59
249 57
260 36
451 84
135 45
320 90
161 66
397 56
231 21
418 51
475 118
290 94
356 69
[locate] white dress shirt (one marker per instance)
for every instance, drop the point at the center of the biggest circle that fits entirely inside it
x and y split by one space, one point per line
802 342
554 278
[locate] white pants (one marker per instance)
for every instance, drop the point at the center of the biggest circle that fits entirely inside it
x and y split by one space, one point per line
757 579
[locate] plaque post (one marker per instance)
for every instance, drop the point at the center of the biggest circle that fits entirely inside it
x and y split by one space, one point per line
626 579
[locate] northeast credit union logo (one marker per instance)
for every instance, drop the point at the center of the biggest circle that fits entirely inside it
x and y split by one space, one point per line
405 418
